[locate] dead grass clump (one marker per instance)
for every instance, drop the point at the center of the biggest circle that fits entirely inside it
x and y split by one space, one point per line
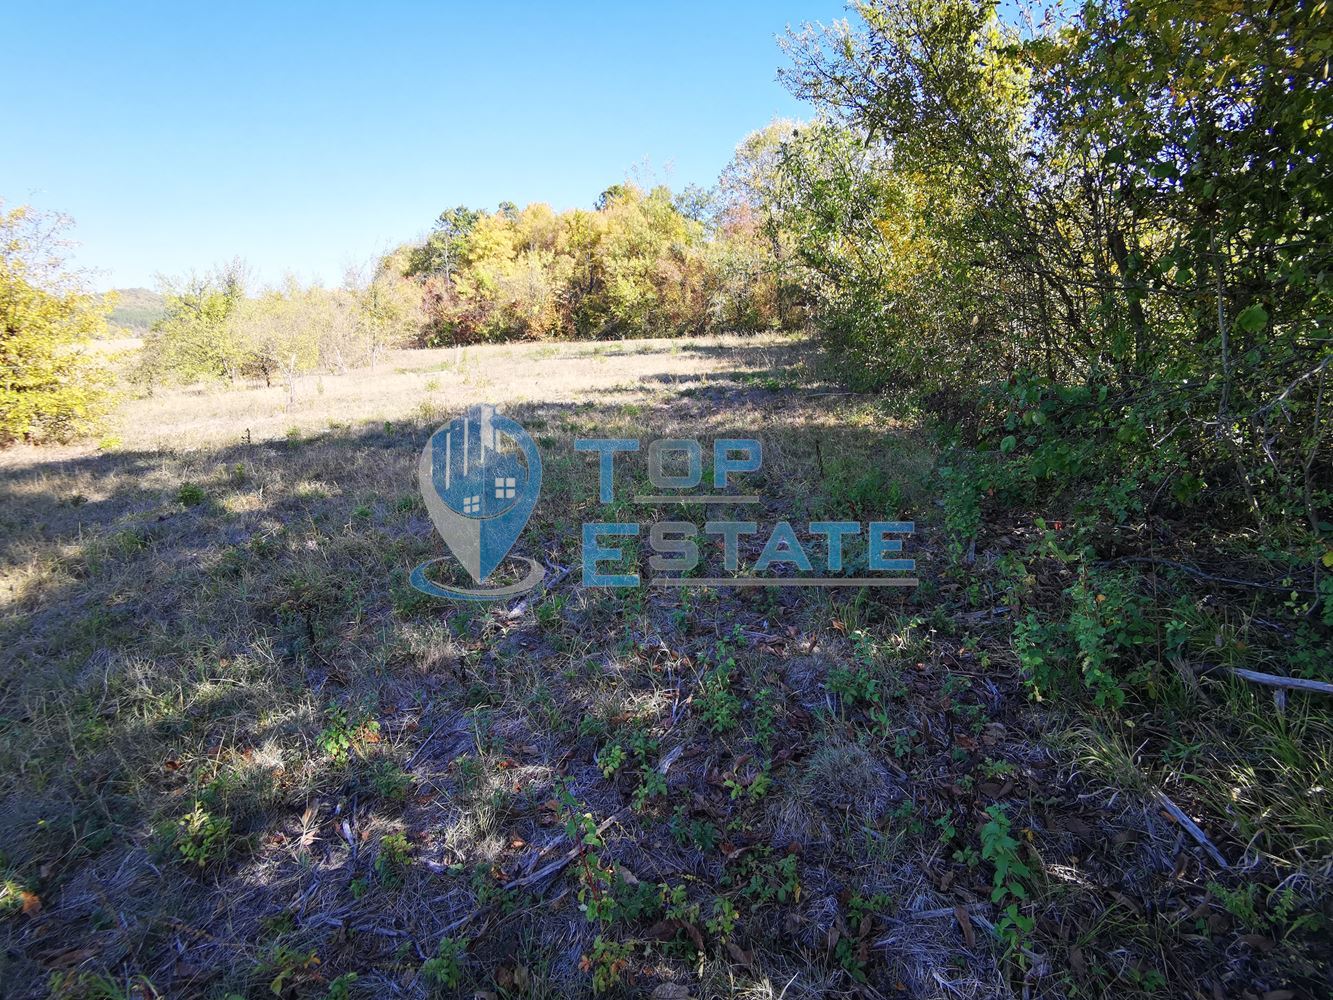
847 777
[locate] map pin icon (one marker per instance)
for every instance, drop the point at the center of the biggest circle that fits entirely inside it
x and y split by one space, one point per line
480 477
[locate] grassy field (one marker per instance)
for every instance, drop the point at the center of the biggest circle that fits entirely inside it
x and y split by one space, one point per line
239 756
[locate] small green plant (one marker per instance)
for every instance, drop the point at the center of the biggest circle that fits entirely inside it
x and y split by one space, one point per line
753 790
651 786
962 509
676 905
1148 980
190 494
991 768
286 967
762 878
390 781
550 611
608 962
1106 621
341 736
719 708
764 717
203 838
853 948
611 759
722 924
967 855
445 968
341 988
12 896
999 847
391 862
854 684
1261 911
947 830
702 834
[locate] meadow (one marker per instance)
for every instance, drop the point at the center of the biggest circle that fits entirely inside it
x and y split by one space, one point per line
241 757
1052 284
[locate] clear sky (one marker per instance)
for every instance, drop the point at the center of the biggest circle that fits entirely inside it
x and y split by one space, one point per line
305 137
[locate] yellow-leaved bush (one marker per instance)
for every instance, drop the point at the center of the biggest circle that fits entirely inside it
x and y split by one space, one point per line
51 385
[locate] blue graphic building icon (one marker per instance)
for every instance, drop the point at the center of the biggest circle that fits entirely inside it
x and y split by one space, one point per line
480 477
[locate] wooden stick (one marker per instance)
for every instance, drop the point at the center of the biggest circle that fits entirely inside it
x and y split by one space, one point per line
1194 571
1278 681
1191 828
540 873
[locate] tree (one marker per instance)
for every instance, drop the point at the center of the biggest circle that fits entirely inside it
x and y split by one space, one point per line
1133 201
280 332
757 195
50 386
193 341
389 313
442 249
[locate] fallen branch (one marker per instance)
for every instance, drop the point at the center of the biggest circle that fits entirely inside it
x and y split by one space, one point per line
433 733
1199 574
1273 680
565 858
547 584
1192 828
540 874
973 617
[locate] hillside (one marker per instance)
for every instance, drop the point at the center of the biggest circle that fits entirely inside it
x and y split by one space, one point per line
136 310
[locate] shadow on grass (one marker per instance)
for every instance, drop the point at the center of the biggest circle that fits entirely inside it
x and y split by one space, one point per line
215 656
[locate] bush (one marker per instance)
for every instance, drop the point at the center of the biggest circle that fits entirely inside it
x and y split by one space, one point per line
1077 211
51 387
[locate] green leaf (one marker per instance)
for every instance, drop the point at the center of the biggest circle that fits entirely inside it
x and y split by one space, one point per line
1008 444
1252 319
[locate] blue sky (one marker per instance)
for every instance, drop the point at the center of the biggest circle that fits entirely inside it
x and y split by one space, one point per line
305 137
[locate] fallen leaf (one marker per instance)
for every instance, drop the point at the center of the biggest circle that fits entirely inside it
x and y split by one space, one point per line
740 956
695 936
1076 961
1259 942
32 903
965 925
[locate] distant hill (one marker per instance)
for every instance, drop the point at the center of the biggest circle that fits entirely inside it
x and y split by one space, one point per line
137 309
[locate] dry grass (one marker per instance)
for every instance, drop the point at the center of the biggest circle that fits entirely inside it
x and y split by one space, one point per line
420 384
200 624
